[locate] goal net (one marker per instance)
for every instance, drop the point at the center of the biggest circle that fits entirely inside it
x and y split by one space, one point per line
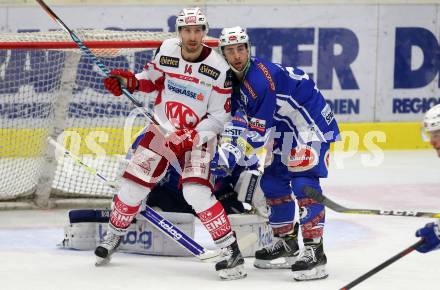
48 88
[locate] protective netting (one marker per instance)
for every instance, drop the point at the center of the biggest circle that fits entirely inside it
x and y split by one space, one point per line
86 35
59 93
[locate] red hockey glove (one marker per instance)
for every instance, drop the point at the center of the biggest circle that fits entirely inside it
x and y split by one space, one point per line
120 78
182 141
150 86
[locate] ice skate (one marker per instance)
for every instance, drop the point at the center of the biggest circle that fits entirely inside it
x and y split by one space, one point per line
311 264
231 265
106 249
280 255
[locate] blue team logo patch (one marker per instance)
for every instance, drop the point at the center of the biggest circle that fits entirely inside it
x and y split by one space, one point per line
186 90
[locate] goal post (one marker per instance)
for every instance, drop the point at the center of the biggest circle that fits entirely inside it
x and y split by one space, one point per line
48 88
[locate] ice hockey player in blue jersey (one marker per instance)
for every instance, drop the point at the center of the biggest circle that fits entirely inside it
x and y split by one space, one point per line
431 231
286 117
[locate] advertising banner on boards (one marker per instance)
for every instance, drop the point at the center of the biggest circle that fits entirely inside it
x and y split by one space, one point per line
371 62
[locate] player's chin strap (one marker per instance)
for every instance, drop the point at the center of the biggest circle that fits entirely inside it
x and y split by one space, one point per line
241 73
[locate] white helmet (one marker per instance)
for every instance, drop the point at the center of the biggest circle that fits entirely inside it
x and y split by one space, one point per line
233 35
191 16
236 35
431 122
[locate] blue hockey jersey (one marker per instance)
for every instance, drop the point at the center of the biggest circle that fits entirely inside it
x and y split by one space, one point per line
286 100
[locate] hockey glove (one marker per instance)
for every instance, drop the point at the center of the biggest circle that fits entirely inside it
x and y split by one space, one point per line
431 236
225 159
120 78
182 141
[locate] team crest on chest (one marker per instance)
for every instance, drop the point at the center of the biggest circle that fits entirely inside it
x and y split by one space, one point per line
169 61
180 115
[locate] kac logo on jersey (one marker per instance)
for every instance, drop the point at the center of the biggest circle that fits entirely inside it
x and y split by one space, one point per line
180 115
169 61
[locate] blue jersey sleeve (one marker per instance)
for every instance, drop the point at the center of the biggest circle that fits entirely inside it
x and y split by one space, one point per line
310 114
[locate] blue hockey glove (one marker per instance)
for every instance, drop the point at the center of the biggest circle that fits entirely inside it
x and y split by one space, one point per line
431 235
225 159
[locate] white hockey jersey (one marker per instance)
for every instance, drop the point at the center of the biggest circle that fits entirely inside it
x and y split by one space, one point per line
192 95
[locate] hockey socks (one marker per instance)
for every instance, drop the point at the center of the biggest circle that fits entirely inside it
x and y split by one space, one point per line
217 223
231 265
121 217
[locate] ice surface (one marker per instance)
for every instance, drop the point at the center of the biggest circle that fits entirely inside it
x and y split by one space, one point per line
354 244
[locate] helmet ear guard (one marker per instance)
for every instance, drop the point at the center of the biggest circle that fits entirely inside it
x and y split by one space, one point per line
190 17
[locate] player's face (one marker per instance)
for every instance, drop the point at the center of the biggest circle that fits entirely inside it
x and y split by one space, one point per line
192 37
236 55
435 141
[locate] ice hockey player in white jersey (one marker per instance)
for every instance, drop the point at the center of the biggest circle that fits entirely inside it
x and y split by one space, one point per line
193 103
431 231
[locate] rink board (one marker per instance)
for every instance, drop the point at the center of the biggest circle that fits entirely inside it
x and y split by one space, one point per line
355 136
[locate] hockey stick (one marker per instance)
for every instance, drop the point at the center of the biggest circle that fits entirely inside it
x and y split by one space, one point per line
90 54
152 216
160 222
318 196
383 265
174 162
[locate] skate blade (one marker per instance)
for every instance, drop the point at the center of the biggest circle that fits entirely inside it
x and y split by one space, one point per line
280 263
316 273
235 273
102 261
